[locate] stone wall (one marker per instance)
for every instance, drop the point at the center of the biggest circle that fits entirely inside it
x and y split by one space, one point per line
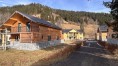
35 46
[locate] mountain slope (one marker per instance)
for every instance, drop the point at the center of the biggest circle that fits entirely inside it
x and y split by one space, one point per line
87 21
47 13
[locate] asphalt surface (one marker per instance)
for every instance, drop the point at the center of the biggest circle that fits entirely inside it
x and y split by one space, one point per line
91 54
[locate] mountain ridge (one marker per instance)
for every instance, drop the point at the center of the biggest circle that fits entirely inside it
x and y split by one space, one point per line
63 18
47 13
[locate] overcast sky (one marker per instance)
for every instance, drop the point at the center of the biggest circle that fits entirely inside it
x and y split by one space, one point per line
75 5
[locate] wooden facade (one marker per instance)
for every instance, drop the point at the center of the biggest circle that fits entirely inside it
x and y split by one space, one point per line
28 29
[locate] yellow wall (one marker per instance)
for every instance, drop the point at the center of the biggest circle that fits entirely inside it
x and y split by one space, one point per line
104 36
65 36
80 36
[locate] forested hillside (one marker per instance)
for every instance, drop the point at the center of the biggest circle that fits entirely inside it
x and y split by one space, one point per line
47 13
77 16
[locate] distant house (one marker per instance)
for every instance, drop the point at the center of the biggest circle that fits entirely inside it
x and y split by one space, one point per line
29 32
112 35
102 33
72 34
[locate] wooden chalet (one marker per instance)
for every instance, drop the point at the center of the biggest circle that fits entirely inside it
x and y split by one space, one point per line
24 28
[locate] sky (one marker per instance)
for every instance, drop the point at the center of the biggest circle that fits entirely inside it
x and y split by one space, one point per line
72 5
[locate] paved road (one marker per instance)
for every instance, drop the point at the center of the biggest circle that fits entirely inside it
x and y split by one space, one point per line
91 54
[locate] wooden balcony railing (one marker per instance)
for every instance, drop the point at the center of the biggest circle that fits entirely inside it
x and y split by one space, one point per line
24 29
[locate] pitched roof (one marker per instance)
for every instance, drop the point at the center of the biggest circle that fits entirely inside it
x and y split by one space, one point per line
103 28
67 30
37 20
79 30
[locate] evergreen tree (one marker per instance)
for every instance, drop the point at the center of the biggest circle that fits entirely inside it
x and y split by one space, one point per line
114 11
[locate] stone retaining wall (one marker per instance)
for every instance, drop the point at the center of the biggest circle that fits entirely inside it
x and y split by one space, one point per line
35 46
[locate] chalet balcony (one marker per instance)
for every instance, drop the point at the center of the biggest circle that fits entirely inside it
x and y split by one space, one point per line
24 29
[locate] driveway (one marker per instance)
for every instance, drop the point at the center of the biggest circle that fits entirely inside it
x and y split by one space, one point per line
91 54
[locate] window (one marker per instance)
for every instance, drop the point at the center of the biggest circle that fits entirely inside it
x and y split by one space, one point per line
49 38
17 38
2 31
114 35
42 36
69 37
28 26
57 37
74 34
19 27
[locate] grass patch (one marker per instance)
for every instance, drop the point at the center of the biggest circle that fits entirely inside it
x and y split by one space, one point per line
42 57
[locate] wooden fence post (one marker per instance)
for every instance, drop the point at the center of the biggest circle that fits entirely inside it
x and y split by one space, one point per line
5 39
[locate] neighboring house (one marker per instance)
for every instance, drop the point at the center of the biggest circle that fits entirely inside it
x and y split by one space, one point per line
72 34
31 33
112 35
102 33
